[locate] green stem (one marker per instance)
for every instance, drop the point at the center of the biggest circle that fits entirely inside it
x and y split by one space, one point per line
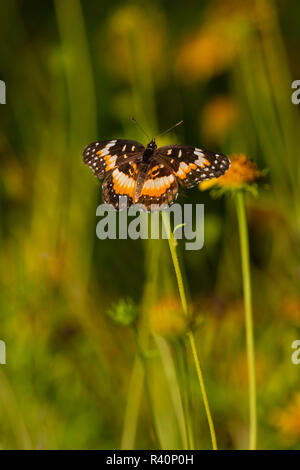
143 359
203 390
14 416
183 368
243 231
132 407
182 293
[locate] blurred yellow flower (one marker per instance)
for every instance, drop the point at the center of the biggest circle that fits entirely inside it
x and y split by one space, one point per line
287 421
247 11
167 318
13 175
291 308
213 47
239 373
241 172
219 117
204 54
131 32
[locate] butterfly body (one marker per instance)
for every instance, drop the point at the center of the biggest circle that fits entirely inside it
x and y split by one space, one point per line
150 175
149 151
143 169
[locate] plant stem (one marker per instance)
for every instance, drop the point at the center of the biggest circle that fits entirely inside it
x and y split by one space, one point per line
182 293
14 416
183 368
203 391
137 379
243 231
133 405
143 359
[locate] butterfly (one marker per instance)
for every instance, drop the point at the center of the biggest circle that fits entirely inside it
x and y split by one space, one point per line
151 175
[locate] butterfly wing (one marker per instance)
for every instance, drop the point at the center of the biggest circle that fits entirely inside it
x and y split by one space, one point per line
192 165
105 156
160 185
120 182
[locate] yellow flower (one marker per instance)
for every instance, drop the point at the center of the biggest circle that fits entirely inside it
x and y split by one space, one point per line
132 30
13 179
167 318
239 373
218 117
241 172
291 309
204 54
228 27
287 421
241 14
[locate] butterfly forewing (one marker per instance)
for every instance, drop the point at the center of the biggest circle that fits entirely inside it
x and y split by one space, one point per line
192 165
104 156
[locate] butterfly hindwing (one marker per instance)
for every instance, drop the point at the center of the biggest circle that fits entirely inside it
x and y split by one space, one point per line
160 186
104 156
120 182
192 165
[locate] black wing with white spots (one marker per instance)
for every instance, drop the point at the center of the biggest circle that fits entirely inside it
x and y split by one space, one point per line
192 165
103 157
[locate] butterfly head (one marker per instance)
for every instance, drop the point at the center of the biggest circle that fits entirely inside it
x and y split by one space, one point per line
152 145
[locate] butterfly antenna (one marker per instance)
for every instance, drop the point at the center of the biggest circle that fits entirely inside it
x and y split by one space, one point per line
168 130
135 122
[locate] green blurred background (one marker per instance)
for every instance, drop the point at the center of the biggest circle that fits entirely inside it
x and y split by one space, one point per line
75 72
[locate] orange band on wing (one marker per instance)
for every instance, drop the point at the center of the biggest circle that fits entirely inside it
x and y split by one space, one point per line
157 186
110 161
123 184
185 168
